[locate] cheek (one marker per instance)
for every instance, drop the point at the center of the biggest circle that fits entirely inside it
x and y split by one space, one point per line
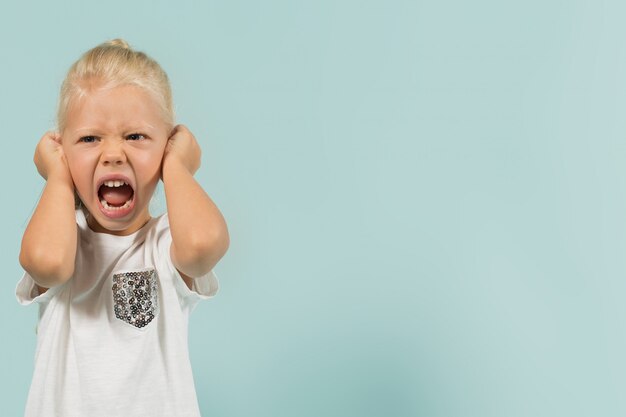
150 163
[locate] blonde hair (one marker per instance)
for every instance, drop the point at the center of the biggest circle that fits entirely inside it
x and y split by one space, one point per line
111 64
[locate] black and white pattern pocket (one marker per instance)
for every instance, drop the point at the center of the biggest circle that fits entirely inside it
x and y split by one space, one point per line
135 296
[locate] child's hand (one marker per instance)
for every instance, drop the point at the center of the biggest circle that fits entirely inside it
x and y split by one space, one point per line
49 158
183 148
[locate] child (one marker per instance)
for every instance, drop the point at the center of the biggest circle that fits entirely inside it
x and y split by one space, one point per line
115 287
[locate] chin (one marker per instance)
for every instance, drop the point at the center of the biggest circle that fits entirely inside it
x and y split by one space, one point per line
117 223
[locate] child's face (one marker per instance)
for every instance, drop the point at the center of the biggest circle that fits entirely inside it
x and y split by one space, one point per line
115 136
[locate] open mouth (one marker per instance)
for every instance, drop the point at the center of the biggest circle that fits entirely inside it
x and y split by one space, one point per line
116 197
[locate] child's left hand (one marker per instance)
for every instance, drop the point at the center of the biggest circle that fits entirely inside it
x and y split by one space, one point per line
182 147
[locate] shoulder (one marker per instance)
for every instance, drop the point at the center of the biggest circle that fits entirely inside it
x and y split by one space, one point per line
160 235
158 228
156 234
161 221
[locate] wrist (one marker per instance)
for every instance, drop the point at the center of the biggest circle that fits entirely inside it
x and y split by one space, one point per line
173 166
61 175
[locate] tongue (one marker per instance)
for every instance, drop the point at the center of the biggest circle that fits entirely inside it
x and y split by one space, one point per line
116 196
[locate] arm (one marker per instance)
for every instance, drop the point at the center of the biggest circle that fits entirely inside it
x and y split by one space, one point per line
49 244
199 233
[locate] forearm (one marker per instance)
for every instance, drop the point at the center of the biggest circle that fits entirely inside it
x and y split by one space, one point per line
48 249
199 232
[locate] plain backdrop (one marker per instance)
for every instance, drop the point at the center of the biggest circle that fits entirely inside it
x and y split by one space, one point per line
426 199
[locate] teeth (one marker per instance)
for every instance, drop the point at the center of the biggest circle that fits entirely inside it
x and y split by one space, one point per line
108 207
114 183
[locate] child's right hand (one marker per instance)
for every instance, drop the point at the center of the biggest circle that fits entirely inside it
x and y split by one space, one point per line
49 158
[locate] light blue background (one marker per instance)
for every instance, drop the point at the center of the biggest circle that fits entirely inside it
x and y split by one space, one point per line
426 199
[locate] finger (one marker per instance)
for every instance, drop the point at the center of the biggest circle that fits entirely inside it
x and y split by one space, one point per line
47 140
174 132
56 137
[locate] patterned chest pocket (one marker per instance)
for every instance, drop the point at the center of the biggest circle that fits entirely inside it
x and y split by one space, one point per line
135 296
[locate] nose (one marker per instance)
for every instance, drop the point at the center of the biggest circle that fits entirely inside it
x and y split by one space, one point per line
112 153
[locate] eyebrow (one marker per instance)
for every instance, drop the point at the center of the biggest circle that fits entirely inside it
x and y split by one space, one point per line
138 126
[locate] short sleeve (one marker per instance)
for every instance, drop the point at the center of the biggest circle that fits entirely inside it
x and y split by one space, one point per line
203 287
27 293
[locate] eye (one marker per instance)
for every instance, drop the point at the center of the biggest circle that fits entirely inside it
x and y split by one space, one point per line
88 139
135 136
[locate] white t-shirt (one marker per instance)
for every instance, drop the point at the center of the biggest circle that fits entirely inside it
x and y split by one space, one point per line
112 341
